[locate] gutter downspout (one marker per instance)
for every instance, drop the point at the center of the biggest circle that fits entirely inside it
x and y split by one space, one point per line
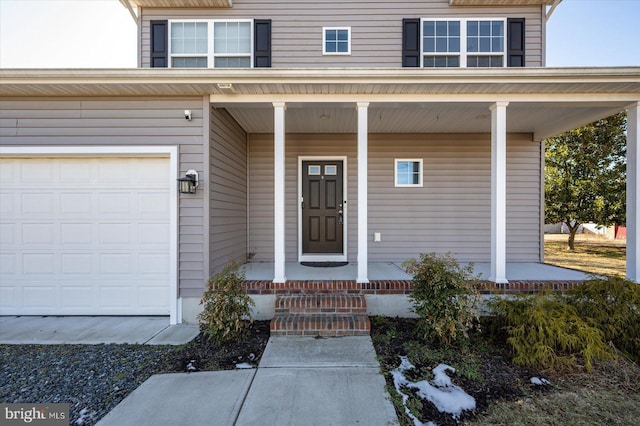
127 4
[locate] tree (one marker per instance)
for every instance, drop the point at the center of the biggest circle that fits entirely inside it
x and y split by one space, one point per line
585 175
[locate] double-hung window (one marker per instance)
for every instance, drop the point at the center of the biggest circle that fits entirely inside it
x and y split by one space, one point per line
454 43
211 44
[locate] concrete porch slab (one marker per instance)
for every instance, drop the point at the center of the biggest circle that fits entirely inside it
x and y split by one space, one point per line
318 396
206 398
516 271
309 352
51 330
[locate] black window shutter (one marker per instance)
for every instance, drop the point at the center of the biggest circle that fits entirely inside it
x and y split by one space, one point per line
159 44
515 42
411 42
262 43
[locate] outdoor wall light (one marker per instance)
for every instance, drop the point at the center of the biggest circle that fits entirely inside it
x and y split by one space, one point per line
189 183
187 114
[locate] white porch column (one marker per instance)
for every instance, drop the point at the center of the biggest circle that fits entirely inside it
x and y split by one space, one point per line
499 192
363 204
278 192
633 185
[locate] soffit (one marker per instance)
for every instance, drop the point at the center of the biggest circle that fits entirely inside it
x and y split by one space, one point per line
500 2
180 3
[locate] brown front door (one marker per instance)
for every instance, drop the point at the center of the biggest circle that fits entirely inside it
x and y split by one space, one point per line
322 207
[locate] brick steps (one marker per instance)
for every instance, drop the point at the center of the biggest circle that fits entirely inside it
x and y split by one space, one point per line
323 312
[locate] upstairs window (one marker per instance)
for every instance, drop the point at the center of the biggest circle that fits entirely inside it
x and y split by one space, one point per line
210 44
453 43
336 40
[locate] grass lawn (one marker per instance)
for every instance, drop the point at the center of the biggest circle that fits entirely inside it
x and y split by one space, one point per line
593 254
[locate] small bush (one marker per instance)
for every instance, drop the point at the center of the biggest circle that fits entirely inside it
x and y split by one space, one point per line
613 306
227 307
444 297
545 331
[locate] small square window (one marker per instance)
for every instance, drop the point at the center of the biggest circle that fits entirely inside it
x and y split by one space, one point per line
336 41
408 173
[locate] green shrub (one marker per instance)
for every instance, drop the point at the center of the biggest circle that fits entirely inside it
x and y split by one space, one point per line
545 331
444 296
227 307
613 306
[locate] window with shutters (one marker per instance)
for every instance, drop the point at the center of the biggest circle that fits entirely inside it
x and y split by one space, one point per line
211 44
463 43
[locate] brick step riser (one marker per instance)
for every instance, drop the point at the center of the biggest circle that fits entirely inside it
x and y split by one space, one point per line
320 325
321 304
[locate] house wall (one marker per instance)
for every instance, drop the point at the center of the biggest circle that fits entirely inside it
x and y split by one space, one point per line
227 190
376 28
451 212
124 122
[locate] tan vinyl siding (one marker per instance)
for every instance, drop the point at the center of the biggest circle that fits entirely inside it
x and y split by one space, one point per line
125 122
451 212
227 190
376 28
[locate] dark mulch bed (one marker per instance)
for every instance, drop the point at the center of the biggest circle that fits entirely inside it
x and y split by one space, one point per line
500 379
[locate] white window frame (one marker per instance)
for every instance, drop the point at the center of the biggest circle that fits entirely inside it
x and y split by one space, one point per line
324 41
463 54
211 55
408 185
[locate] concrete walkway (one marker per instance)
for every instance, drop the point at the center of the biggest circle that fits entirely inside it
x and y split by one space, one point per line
84 330
299 381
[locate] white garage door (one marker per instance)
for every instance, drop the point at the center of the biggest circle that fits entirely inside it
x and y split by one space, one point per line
84 236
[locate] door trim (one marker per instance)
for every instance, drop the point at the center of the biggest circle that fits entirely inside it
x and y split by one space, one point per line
169 151
323 257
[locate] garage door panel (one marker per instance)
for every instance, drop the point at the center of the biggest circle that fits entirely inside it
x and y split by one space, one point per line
79 241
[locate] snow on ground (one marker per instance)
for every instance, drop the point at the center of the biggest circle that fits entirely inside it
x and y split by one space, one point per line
243 366
447 397
539 382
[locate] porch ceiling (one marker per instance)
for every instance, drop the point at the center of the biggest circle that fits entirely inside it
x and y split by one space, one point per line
543 119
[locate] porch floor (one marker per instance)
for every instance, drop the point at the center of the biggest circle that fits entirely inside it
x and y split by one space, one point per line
530 271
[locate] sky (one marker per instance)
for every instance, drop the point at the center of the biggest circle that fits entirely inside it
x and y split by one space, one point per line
102 34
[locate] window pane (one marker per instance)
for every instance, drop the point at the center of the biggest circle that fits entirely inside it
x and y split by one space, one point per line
441 44
453 61
485 45
232 37
497 28
441 28
472 28
343 35
483 61
472 61
189 37
331 47
429 28
429 45
408 173
343 47
496 44
454 44
485 28
454 28
441 61
332 35
429 61
472 44
189 62
232 62
496 61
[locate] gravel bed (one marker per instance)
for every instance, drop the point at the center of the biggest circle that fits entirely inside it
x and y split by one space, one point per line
93 379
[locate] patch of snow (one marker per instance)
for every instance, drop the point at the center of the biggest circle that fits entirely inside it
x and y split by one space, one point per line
243 366
191 366
447 397
539 382
85 415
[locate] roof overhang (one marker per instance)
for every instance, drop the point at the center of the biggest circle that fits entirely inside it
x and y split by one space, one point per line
542 101
179 3
501 2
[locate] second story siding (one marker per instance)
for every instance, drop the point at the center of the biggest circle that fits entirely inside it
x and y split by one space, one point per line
375 28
